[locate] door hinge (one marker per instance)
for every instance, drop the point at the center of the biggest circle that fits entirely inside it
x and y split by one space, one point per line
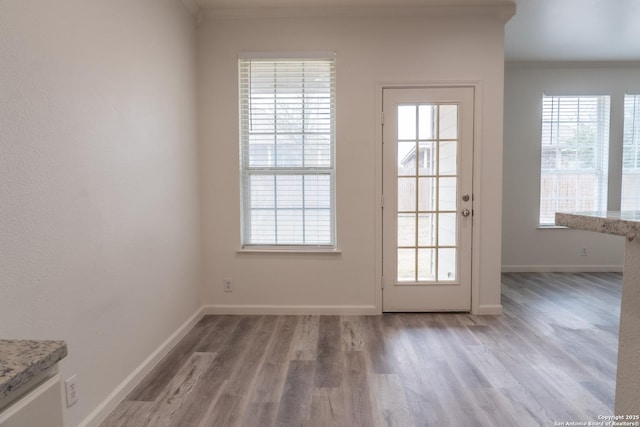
382 118
382 282
382 201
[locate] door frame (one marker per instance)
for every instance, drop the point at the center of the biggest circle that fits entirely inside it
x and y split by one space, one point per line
476 85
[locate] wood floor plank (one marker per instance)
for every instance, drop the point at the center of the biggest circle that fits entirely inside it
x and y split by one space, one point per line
180 389
551 357
229 357
391 402
151 387
261 414
271 377
217 337
295 404
328 368
306 338
130 414
377 346
328 407
233 402
353 333
356 387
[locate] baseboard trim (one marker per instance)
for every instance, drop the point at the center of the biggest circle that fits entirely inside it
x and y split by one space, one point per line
562 268
489 310
120 393
292 309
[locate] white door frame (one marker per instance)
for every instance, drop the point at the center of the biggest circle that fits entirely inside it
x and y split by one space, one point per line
477 174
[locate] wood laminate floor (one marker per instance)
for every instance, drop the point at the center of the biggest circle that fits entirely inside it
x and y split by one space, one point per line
551 357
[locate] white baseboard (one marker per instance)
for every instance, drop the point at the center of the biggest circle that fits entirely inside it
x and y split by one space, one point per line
293 309
488 310
562 268
120 393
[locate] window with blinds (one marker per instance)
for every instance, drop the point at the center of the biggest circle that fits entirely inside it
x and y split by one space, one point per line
575 152
630 198
287 144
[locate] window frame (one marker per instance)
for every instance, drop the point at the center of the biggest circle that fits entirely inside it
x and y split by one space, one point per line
247 170
601 166
630 140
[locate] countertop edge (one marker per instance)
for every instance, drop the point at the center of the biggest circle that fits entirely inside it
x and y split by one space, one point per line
42 364
599 224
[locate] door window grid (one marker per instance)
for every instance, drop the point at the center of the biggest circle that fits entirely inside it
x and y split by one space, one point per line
427 165
630 197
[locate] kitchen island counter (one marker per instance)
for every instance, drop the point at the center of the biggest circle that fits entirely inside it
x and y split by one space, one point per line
627 224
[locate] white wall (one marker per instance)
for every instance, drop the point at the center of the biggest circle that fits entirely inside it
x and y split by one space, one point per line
99 211
369 50
524 247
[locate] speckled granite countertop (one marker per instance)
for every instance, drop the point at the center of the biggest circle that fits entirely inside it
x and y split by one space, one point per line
625 223
22 360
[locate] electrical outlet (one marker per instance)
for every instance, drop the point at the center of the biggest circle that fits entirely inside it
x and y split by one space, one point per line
226 284
583 251
71 390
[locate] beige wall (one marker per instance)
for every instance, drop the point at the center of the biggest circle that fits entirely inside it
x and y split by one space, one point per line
99 211
525 247
369 52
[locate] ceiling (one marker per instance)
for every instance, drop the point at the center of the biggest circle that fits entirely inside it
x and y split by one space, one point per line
574 30
541 30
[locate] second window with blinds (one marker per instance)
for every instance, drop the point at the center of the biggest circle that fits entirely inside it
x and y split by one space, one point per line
630 199
575 169
575 155
287 150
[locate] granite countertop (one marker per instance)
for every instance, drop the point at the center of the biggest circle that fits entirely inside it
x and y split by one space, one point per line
625 223
23 360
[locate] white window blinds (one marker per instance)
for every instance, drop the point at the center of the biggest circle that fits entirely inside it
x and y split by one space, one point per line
287 139
630 199
575 153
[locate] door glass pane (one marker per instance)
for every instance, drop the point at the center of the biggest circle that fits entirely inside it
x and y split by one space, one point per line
426 229
446 264
406 158
407 122
406 265
447 194
448 157
427 158
427 122
427 194
447 229
426 265
448 122
406 229
406 194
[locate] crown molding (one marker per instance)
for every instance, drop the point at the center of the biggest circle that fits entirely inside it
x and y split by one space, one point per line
503 12
571 64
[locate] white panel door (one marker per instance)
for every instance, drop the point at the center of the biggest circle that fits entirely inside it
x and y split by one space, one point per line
428 204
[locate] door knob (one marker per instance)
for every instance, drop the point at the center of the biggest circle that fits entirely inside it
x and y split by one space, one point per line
466 212
465 198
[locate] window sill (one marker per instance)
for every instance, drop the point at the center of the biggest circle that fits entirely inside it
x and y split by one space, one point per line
552 227
289 250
